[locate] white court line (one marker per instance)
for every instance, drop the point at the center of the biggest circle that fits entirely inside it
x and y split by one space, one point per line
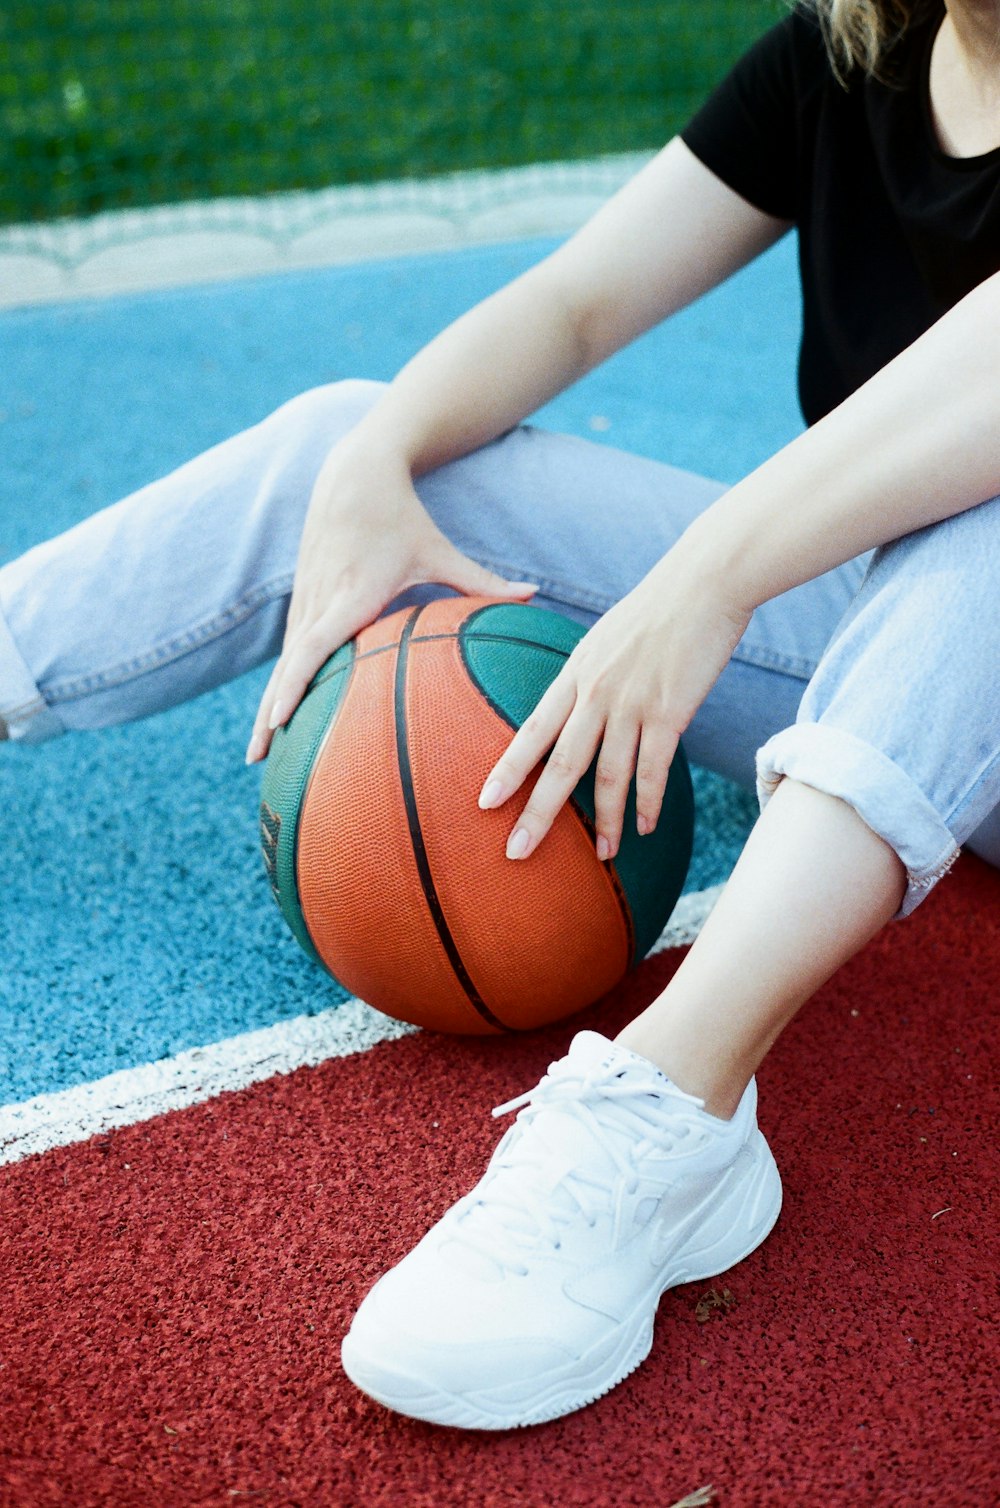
201 1073
59 1119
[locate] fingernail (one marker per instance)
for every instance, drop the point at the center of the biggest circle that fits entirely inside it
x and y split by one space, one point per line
526 586
642 826
492 794
254 749
517 843
277 715
603 847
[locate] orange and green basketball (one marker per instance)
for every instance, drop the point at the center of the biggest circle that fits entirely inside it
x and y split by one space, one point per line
394 880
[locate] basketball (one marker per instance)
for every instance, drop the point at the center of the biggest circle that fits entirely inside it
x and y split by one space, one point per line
394 880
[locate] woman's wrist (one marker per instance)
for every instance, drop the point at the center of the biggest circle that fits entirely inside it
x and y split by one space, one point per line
784 524
369 455
917 443
712 553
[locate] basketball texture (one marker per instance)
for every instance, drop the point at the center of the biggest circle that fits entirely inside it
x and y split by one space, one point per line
390 875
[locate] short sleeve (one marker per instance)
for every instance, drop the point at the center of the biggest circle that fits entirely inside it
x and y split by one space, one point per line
748 132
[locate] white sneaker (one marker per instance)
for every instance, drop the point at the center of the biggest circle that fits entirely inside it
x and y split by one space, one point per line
536 1293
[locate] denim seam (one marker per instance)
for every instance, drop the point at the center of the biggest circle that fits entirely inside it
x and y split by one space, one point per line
929 877
571 596
558 591
973 786
176 648
36 703
23 710
772 659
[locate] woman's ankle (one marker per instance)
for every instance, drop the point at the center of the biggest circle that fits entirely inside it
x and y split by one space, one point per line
720 1087
813 884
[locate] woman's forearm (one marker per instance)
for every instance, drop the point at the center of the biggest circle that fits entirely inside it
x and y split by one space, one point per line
673 232
917 443
480 376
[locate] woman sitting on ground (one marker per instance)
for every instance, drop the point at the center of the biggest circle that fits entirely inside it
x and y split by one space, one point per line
828 628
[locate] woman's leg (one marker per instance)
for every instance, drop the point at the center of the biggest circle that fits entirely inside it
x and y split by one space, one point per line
175 589
894 763
536 1293
783 924
185 584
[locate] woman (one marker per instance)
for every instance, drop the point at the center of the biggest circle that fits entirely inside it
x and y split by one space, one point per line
834 615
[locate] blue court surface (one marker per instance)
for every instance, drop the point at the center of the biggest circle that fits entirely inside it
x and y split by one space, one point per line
137 920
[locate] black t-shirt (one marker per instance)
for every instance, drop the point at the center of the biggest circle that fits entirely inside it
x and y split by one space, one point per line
892 231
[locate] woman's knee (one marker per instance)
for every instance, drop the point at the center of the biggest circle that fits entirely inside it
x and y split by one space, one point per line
279 460
334 406
900 719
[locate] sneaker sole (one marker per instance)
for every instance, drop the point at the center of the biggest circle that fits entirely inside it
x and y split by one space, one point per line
605 1367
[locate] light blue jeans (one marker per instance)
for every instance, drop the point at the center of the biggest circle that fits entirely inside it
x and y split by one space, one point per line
876 682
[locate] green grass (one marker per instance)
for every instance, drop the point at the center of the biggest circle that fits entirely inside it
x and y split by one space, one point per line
111 103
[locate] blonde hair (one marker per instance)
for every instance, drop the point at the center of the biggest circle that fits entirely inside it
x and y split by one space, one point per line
859 33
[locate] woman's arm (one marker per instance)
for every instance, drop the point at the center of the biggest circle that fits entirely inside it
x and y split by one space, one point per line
920 441
669 235
672 233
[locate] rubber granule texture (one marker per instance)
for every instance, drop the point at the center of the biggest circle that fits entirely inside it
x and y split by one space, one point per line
175 1293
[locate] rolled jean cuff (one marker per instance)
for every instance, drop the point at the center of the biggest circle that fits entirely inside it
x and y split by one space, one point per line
27 716
880 791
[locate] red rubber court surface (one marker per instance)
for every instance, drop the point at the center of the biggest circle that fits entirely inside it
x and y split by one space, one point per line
175 1292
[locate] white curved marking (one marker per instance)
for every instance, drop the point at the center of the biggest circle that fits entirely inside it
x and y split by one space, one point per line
60 1118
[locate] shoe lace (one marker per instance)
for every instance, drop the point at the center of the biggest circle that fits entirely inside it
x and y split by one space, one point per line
517 1212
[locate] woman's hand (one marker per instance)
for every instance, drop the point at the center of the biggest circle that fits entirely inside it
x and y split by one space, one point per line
367 537
630 688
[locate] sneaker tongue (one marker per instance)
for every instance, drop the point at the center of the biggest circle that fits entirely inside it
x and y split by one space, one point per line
565 1136
591 1050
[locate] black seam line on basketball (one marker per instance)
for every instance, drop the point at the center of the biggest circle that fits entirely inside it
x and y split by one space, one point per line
303 805
416 837
467 630
609 867
382 649
574 806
